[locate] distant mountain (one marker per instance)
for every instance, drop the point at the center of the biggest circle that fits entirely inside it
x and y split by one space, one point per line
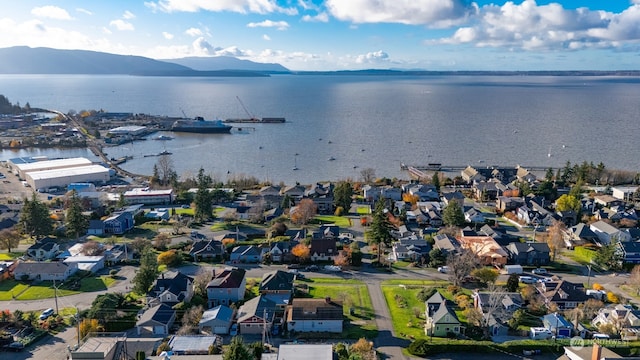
227 63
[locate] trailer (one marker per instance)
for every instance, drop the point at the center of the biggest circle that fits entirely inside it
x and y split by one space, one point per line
512 269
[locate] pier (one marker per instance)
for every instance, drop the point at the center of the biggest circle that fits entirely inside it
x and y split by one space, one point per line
426 171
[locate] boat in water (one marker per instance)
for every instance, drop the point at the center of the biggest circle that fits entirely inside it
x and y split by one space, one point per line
253 120
163 137
200 125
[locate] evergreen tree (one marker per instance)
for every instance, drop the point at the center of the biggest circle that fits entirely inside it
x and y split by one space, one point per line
203 198
76 223
342 195
35 219
286 202
549 174
513 282
608 257
452 214
237 350
380 229
435 181
147 272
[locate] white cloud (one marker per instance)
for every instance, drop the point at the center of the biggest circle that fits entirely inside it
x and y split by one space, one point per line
239 6
266 37
372 57
280 25
321 17
122 25
530 26
51 12
436 13
167 35
106 31
193 32
128 15
84 11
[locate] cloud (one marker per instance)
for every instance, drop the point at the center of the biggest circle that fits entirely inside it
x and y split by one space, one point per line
239 6
266 37
51 12
128 15
193 32
167 35
84 11
435 13
372 57
529 26
280 25
321 17
122 25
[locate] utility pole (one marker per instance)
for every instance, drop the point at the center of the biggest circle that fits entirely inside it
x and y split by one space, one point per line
589 277
55 294
78 325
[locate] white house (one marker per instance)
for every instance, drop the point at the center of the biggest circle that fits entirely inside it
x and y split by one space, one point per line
51 271
607 233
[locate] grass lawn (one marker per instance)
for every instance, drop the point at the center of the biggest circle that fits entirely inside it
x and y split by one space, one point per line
10 287
45 290
341 221
415 282
363 210
181 211
354 295
404 305
311 281
8 256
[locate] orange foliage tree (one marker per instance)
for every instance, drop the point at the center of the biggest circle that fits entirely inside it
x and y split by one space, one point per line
304 212
409 198
302 252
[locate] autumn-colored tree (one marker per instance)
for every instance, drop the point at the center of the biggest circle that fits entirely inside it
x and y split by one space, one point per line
568 202
410 198
597 286
343 258
362 348
612 298
9 239
89 326
301 251
169 258
226 242
161 241
555 238
304 212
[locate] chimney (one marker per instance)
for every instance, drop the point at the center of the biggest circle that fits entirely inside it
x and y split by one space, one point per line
596 353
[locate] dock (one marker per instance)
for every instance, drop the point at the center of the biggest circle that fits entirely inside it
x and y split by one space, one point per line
427 171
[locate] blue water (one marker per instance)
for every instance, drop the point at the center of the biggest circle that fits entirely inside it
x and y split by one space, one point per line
362 121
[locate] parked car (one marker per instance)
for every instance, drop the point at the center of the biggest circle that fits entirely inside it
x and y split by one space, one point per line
45 314
527 280
332 268
443 269
14 346
539 271
312 268
294 266
234 330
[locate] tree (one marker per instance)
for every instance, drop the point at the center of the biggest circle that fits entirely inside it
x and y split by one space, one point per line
147 273
461 266
435 180
103 307
368 175
568 202
190 320
608 257
634 278
485 275
304 212
75 222
513 282
169 258
256 348
34 219
342 194
9 239
201 280
278 228
139 244
437 257
203 199
452 214
92 248
161 241
88 326
166 173
302 252
380 228
237 350
555 238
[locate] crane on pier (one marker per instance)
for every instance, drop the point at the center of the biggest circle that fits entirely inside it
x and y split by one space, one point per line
251 117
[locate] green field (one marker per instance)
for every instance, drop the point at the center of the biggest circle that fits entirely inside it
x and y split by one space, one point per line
342 221
44 290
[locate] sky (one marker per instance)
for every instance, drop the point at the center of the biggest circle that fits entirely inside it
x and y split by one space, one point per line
342 34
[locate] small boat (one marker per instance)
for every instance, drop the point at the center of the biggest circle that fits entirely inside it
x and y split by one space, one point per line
165 152
331 158
163 137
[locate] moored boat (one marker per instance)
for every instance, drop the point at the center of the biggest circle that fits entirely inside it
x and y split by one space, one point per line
200 125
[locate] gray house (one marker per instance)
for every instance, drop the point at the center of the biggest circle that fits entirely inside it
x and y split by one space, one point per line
217 320
529 253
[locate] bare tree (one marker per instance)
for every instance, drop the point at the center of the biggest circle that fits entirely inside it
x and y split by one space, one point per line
9 239
92 248
461 266
190 320
634 278
304 212
165 169
368 175
161 241
555 238
200 281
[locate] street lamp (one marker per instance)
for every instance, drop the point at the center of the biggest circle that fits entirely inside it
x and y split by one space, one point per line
588 276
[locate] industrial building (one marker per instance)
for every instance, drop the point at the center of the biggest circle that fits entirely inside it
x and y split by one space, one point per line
149 197
132 130
22 168
61 177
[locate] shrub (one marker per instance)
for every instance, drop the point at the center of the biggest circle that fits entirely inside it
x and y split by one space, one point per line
419 347
453 289
597 286
426 293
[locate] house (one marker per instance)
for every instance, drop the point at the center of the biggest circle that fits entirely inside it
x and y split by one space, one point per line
624 193
295 192
630 252
391 193
44 249
448 244
249 254
474 216
227 286
256 316
623 318
607 201
217 320
497 308
557 325
157 320
119 223
280 251
409 249
310 351
326 231
456 196
206 250
277 282
43 271
315 315
172 288
529 253
485 190
607 233
508 203
96 227
594 352
371 193
87 263
564 294
118 253
441 319
323 249
486 249
158 214
579 235
471 175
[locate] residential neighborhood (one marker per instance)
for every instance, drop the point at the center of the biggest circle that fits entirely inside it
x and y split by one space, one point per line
496 257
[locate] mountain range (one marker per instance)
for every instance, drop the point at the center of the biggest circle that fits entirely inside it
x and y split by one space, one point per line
26 60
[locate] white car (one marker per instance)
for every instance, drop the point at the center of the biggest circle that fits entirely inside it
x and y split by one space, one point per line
332 268
527 280
443 269
539 271
45 314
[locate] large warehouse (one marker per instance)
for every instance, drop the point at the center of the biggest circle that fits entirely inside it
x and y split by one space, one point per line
62 177
22 169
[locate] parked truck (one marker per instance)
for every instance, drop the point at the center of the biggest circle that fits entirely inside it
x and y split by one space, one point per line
512 269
